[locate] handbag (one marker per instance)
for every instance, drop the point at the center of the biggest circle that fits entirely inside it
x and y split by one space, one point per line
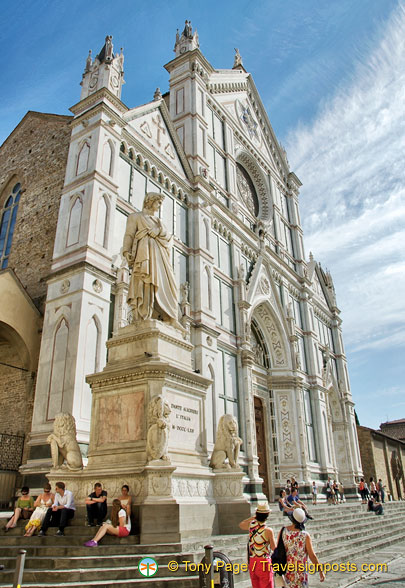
279 555
279 581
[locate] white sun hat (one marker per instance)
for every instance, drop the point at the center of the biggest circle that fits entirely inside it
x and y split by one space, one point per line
299 515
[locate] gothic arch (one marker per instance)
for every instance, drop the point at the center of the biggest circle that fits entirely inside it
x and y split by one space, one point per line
91 363
107 163
260 184
58 366
75 220
274 334
83 154
102 220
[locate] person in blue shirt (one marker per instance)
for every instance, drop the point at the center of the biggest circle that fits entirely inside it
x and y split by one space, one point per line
294 501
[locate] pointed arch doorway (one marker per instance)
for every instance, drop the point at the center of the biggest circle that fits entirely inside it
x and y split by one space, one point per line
261 444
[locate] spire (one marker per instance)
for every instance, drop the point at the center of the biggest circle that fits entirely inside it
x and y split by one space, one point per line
187 41
106 54
106 71
157 95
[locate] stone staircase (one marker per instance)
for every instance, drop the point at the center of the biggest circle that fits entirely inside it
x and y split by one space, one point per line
340 533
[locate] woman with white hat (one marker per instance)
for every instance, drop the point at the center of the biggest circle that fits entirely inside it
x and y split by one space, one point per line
298 547
261 544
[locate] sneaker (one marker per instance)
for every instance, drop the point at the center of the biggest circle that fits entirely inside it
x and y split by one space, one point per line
91 543
41 533
59 533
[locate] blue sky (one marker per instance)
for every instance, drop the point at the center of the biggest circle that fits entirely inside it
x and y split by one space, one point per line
332 78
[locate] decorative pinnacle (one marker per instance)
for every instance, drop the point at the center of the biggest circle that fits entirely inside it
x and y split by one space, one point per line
157 95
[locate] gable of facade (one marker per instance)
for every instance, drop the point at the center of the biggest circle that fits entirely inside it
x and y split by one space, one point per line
260 328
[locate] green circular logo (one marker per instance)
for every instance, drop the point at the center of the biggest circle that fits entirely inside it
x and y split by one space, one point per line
148 567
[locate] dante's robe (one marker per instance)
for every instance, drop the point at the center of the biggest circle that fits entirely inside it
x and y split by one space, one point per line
152 290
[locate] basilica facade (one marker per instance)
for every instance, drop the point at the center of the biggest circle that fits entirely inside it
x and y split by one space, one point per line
262 318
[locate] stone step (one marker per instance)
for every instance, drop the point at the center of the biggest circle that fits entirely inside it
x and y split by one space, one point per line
155 582
101 574
340 533
69 562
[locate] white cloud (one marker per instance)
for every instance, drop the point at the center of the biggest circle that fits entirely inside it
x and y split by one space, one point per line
351 162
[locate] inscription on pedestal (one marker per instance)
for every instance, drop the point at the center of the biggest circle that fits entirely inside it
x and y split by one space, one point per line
184 420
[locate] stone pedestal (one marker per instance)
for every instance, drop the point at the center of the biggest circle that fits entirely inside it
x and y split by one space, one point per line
232 506
176 497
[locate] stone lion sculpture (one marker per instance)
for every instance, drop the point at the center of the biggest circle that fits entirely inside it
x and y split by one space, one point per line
157 440
227 444
64 445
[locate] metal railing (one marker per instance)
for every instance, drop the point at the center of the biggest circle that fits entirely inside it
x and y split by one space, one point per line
11 450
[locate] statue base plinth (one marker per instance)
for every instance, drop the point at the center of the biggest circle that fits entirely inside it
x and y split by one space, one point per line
152 339
232 506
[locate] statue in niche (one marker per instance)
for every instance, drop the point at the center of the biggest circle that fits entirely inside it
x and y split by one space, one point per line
64 445
227 445
147 248
157 440
184 292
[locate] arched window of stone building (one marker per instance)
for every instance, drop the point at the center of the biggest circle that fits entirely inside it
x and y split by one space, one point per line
259 347
106 165
246 190
83 158
8 218
75 218
58 369
101 221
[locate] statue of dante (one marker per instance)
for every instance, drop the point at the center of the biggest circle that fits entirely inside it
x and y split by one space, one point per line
147 248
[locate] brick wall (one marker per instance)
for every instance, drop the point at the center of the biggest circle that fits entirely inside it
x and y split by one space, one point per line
16 393
35 155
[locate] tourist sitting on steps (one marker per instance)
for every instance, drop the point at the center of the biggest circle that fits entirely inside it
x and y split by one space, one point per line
294 501
42 503
126 500
24 508
120 525
282 504
375 506
62 510
96 505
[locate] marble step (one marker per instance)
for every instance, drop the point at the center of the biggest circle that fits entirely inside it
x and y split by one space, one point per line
155 582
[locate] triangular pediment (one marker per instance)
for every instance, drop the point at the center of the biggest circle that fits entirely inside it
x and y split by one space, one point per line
238 95
319 288
263 287
152 126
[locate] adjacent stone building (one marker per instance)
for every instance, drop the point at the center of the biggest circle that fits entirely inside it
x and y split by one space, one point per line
383 456
264 321
394 429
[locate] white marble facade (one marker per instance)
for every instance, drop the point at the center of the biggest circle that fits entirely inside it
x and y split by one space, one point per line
263 321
